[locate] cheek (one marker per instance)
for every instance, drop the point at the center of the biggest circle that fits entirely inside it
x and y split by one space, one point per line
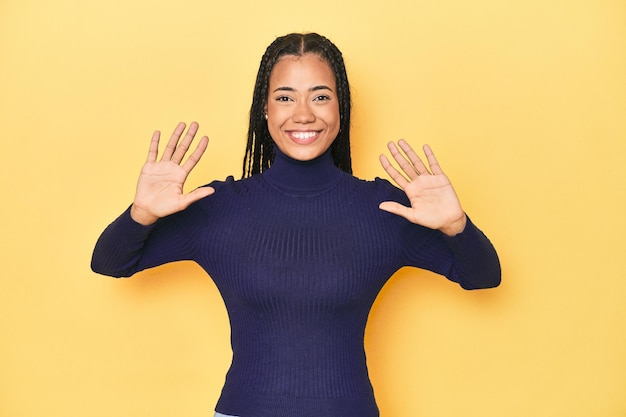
334 116
277 114
273 129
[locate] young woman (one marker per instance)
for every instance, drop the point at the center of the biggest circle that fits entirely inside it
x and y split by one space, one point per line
299 248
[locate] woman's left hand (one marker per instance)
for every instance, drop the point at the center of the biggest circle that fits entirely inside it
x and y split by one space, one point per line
434 202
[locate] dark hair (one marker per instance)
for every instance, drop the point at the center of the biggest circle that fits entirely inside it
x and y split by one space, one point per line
260 146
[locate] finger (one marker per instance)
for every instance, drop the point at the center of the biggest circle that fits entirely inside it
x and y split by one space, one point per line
197 194
393 173
171 144
405 165
193 159
413 157
395 208
435 168
183 146
153 151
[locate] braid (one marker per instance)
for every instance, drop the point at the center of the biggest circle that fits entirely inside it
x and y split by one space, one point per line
340 147
260 146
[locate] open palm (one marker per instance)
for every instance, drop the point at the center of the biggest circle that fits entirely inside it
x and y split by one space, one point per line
434 202
160 186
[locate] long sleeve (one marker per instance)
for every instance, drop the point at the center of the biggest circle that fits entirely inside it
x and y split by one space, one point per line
476 263
119 247
468 258
126 247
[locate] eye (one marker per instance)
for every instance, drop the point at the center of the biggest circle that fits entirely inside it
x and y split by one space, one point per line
283 98
322 98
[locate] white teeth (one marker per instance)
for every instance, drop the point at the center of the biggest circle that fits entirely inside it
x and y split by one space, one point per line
303 135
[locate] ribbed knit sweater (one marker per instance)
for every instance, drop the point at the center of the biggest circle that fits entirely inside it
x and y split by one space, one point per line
299 254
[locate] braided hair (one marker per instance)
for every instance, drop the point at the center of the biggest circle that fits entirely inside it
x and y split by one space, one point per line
260 147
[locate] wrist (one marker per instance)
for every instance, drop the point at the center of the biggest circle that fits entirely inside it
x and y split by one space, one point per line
141 216
455 227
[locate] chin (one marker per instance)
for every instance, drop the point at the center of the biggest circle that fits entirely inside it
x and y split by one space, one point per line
302 153
303 156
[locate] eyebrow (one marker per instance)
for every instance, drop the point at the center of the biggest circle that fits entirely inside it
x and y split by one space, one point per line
316 88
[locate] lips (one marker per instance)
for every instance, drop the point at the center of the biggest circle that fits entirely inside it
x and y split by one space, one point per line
303 137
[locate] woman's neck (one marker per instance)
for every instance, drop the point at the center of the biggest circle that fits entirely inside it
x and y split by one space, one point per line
302 177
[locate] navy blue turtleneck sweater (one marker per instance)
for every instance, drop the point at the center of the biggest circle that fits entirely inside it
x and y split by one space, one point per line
299 253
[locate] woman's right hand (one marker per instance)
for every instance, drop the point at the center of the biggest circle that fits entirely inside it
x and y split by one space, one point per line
160 186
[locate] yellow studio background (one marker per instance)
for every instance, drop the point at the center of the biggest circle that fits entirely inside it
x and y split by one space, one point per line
524 103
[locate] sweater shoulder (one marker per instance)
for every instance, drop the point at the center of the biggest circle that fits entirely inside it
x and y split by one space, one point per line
379 189
230 187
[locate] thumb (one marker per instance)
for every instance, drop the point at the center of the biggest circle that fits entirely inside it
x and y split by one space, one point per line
197 194
395 208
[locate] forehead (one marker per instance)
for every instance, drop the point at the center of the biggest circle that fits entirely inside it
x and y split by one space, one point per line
304 69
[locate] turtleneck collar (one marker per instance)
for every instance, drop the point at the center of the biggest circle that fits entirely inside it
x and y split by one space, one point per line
302 177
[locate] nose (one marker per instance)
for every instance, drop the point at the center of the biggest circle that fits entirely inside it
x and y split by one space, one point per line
303 113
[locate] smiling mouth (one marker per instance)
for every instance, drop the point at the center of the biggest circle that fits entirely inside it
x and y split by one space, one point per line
303 138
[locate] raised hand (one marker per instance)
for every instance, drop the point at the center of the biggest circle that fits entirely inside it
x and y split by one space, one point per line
434 202
160 186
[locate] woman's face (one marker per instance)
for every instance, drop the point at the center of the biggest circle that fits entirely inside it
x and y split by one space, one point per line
302 107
